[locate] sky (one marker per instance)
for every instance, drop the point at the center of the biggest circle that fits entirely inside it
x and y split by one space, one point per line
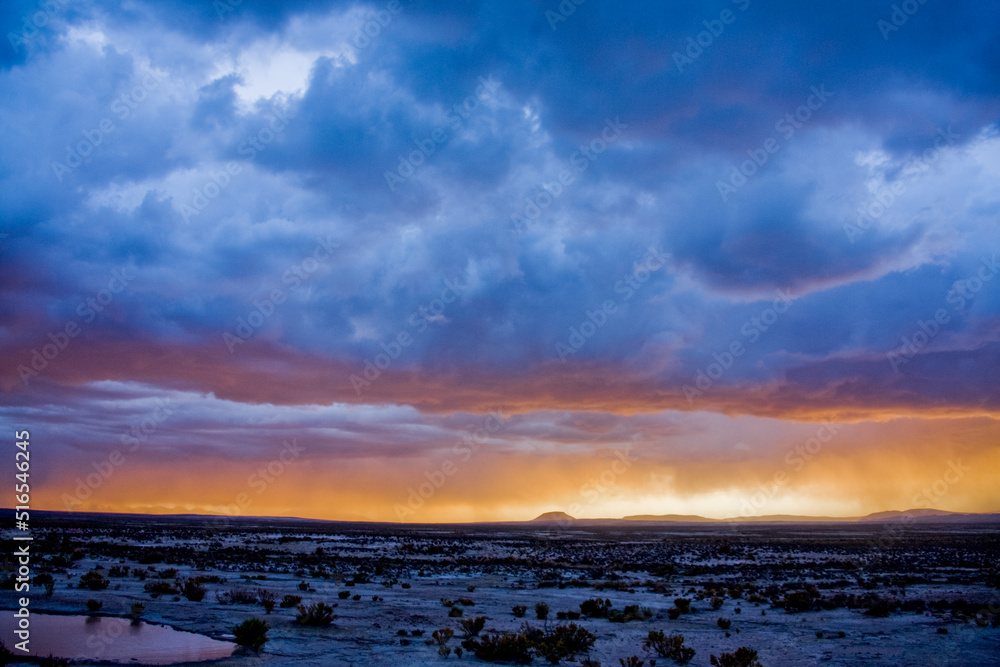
474 261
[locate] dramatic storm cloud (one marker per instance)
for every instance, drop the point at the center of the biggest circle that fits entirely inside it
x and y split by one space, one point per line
522 238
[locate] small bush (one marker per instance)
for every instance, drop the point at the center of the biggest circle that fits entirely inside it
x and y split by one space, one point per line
743 657
631 661
473 626
157 588
319 614
519 610
252 633
542 611
455 612
118 571
290 601
94 605
343 595
724 623
564 642
668 646
45 579
442 636
509 647
94 580
683 604
237 596
193 591
631 612
595 608
136 612
266 599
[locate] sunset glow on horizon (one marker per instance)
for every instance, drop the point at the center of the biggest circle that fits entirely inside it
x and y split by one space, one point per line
477 263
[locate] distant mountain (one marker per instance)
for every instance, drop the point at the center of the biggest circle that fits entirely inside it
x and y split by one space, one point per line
554 516
922 515
895 514
670 517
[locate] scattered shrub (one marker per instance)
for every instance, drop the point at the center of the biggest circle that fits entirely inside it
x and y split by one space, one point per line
564 642
632 661
266 599
455 612
595 608
542 611
631 612
319 614
472 626
251 633
509 647
94 580
45 580
343 595
136 612
157 588
193 591
743 657
724 623
290 601
237 596
668 646
519 610
715 602
94 605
